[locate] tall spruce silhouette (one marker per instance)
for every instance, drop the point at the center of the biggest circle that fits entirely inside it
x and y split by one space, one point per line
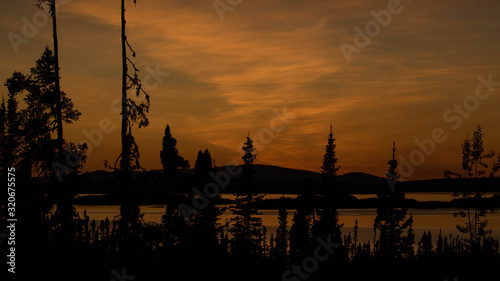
329 168
247 226
425 245
440 243
42 100
391 224
202 168
280 252
174 228
300 235
408 250
327 224
205 223
392 177
170 158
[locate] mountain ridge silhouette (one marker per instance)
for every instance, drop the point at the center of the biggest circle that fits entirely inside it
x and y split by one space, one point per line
276 179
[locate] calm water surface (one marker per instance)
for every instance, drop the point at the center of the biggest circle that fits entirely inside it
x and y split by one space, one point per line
424 219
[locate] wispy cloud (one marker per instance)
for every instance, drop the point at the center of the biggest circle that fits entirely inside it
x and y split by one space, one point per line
225 77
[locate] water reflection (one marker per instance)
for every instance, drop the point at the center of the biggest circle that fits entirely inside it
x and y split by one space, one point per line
423 219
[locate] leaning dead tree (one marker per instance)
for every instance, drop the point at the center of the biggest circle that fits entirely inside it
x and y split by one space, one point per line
133 113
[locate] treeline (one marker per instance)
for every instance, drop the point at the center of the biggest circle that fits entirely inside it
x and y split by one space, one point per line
174 248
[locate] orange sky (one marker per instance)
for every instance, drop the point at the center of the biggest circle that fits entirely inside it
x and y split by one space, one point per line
227 78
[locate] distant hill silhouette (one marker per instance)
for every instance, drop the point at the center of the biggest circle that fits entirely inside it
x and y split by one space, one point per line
270 179
274 179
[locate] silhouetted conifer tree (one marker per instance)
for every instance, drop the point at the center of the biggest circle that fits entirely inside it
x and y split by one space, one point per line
248 178
391 222
408 251
440 244
205 226
327 224
27 141
446 246
263 247
355 235
271 248
174 227
281 239
41 117
247 227
347 242
170 158
299 235
203 166
392 178
329 168
426 242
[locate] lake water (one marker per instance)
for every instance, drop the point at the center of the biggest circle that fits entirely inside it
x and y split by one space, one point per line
424 219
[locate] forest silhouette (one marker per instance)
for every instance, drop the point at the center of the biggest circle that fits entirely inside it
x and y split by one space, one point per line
191 242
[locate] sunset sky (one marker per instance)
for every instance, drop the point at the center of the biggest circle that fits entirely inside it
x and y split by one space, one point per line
229 77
